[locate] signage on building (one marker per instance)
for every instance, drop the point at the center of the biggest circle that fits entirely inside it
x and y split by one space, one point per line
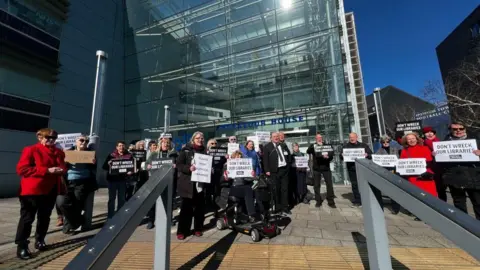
438 111
259 123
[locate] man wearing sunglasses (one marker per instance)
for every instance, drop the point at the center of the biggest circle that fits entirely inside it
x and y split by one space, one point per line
463 178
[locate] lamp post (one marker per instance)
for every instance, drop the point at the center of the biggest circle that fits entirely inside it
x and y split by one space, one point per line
379 111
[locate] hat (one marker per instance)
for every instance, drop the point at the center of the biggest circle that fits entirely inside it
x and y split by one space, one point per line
428 129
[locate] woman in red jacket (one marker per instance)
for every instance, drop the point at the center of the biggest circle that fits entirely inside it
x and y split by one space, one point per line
413 148
40 167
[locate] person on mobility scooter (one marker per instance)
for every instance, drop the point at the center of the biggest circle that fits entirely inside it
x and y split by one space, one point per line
238 192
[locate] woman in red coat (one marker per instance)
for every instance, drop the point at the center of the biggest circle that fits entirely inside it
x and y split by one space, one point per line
40 167
413 148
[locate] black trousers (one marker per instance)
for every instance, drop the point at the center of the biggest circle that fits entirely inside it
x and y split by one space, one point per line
245 192
301 190
31 206
281 178
441 187
74 203
317 184
460 199
192 208
352 175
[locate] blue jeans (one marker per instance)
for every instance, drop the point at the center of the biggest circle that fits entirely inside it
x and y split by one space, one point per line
115 190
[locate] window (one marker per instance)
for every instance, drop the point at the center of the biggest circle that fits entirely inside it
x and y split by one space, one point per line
22 114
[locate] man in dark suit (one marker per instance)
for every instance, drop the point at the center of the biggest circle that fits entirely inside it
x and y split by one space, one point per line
276 163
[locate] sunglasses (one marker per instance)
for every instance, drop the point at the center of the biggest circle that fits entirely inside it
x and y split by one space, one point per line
213 143
458 129
82 140
53 138
386 142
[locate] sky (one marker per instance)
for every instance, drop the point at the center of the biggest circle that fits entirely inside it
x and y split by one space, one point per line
397 39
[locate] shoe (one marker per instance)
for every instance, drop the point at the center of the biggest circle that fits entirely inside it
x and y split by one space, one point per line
180 237
23 253
59 221
354 205
318 205
417 219
41 246
150 225
198 234
332 205
395 212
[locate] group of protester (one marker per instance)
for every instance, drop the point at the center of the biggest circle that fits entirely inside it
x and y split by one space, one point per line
45 175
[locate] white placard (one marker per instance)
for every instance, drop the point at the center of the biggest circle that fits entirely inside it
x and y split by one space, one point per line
239 167
255 141
203 168
385 160
456 151
351 154
263 136
411 166
301 162
66 141
232 147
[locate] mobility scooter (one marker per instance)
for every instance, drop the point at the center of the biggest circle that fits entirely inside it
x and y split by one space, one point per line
235 217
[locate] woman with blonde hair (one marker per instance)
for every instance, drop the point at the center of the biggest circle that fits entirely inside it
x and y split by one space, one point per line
192 193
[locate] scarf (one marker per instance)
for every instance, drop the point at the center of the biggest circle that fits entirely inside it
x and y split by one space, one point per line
453 138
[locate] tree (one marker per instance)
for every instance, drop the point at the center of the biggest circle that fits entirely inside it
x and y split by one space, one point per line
461 88
398 113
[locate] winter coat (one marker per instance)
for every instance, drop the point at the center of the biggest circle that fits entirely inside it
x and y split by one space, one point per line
390 151
420 151
252 154
106 167
462 174
33 170
184 161
319 162
348 145
429 143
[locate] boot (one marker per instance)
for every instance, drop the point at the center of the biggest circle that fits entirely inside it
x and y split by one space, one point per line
23 253
40 245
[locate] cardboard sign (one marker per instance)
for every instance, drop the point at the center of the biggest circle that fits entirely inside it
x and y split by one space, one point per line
301 162
73 157
456 151
239 167
351 154
411 166
232 147
139 154
66 141
158 163
203 171
263 136
122 166
388 161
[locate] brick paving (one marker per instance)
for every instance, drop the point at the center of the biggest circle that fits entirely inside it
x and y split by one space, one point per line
309 226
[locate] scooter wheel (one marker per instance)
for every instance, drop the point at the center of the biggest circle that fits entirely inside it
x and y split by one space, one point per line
255 235
221 224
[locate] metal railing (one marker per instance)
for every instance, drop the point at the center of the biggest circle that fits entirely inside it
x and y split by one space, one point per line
460 228
104 247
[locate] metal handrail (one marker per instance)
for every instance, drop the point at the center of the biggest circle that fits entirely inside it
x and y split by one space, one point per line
460 228
104 247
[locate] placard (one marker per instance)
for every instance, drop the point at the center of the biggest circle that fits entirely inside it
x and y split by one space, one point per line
256 142
157 163
456 151
232 147
403 128
139 154
263 136
203 168
411 166
301 162
122 166
67 141
218 151
322 150
239 167
73 157
385 160
351 154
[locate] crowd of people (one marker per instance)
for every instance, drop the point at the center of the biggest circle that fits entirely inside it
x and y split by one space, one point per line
46 176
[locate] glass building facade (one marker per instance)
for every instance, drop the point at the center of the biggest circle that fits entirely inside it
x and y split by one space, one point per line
234 67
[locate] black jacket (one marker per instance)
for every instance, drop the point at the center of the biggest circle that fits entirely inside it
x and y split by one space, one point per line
368 151
319 162
184 161
462 174
270 157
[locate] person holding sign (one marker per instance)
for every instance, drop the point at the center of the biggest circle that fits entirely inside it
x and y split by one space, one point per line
192 193
430 136
353 143
81 180
40 167
276 163
249 151
301 175
117 177
413 148
462 177
220 156
322 154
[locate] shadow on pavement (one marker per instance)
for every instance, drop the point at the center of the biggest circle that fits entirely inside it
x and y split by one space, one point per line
360 242
219 250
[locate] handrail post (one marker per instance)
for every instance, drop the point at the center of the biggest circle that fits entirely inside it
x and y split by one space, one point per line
163 228
374 223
